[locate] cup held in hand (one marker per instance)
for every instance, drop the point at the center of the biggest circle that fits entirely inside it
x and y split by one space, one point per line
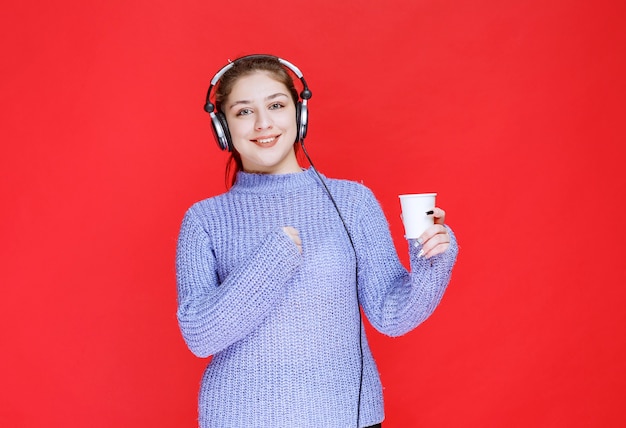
414 208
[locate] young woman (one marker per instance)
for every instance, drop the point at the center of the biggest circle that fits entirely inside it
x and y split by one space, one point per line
271 274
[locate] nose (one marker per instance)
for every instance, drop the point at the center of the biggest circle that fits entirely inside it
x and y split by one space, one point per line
263 121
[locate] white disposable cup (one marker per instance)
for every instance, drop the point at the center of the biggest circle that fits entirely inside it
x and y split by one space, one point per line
414 213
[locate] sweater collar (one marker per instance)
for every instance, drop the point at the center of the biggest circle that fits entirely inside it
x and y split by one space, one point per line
273 183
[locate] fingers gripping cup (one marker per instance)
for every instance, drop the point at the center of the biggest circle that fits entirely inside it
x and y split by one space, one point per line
414 213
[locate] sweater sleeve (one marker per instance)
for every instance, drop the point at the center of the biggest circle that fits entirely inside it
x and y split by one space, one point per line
214 315
394 300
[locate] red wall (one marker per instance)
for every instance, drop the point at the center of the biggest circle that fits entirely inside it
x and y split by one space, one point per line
512 111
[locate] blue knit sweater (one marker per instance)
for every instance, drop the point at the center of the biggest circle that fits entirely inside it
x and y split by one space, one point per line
283 327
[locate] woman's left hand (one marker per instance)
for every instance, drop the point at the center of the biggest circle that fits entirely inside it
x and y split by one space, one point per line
436 239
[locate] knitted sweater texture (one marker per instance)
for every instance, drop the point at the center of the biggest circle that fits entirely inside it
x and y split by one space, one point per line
283 326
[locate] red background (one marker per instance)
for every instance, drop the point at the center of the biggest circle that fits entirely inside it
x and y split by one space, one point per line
512 111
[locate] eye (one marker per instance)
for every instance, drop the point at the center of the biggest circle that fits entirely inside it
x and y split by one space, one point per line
244 112
276 106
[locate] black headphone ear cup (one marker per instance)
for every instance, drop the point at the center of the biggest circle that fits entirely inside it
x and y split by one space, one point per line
220 129
302 116
298 114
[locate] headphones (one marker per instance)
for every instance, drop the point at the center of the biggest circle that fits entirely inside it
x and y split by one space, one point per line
218 119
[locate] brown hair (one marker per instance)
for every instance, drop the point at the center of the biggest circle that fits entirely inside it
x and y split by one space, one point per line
241 68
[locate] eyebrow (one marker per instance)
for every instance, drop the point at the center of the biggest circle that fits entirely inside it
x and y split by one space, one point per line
268 98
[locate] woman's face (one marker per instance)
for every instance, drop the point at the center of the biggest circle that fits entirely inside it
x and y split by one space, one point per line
261 118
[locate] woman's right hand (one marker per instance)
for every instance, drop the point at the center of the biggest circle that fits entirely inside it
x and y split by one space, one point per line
294 235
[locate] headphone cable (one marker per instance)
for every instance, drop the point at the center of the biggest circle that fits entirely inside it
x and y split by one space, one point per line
356 261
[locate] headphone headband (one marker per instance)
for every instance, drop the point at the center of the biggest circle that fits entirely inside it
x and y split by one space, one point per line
218 120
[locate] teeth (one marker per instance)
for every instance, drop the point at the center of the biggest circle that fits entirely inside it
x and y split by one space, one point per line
266 140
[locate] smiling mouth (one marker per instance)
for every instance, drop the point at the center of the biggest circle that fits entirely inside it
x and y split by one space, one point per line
266 141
